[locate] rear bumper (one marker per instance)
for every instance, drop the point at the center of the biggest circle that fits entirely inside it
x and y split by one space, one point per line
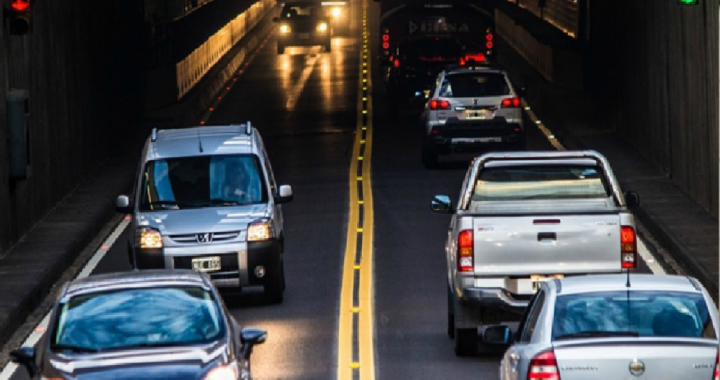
495 298
471 135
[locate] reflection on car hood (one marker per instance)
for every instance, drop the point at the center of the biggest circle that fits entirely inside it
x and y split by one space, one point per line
157 363
211 219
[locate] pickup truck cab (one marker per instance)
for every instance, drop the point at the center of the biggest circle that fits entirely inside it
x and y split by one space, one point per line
524 218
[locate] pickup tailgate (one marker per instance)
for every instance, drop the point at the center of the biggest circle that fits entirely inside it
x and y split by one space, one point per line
636 360
547 244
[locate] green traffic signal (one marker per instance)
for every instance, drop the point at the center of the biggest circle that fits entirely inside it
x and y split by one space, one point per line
688 2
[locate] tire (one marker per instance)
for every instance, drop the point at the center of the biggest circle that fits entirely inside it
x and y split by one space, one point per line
465 342
275 286
450 316
280 49
430 156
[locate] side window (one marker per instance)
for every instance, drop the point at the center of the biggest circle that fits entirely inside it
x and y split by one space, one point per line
270 173
528 324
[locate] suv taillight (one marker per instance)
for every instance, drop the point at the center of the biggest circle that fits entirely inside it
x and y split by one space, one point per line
437 104
544 366
628 247
465 251
510 103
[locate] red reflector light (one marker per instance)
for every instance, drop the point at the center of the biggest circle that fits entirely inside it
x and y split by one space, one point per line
396 63
544 366
465 251
437 104
517 129
386 37
19 5
489 45
628 247
386 45
489 36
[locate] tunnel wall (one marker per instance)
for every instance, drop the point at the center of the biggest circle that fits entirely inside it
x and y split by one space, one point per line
655 65
80 66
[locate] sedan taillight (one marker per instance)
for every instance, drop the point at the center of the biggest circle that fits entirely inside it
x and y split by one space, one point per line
465 251
544 366
628 247
510 103
437 104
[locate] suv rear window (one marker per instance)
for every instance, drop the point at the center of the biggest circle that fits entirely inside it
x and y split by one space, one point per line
540 182
474 85
202 181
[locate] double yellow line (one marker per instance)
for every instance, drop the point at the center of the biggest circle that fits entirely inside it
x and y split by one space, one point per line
355 336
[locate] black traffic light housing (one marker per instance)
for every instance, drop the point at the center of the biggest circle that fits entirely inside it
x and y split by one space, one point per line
17 15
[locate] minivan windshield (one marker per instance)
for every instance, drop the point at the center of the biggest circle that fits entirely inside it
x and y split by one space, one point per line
202 181
632 313
137 317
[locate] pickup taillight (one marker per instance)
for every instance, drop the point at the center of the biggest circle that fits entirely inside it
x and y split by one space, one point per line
465 251
628 247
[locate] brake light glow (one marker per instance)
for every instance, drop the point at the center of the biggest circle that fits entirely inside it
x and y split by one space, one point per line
465 251
628 247
510 103
479 57
544 366
396 63
462 61
437 104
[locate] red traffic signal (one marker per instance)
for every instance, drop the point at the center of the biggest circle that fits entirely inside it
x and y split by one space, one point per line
18 16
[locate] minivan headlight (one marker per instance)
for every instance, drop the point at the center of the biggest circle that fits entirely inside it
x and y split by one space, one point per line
284 28
149 238
259 231
223 372
322 26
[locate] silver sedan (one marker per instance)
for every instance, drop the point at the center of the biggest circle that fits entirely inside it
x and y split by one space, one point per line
614 327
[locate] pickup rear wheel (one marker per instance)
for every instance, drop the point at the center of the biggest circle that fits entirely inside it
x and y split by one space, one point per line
465 342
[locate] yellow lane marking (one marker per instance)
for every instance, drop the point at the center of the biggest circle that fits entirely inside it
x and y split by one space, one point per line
548 134
361 358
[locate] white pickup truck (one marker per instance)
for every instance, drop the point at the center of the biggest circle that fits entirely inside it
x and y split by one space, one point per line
526 217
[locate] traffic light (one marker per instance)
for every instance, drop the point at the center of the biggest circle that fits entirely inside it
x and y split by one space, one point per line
18 16
489 42
688 2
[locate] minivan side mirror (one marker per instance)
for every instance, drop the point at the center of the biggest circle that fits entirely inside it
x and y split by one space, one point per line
498 335
442 204
285 194
25 356
632 199
123 204
249 337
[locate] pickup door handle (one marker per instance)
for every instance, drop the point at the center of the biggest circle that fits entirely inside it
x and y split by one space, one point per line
547 236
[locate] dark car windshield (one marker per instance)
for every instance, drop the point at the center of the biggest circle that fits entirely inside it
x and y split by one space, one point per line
141 317
632 313
472 85
539 182
202 181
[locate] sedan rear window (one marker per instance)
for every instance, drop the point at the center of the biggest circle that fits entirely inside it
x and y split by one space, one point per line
632 313
474 85
539 182
142 317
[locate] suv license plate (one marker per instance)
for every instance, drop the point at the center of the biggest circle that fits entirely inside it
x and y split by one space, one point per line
206 264
473 115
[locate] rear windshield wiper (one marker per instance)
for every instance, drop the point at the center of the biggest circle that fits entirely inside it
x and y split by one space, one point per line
76 349
597 334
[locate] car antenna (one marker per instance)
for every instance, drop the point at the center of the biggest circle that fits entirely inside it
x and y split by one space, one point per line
627 284
199 141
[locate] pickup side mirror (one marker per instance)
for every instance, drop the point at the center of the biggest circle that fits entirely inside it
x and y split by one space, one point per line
275 19
442 204
498 335
123 204
25 356
285 194
632 199
249 337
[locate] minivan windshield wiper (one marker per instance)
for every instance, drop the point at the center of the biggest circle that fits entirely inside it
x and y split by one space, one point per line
228 202
76 349
154 344
597 334
169 203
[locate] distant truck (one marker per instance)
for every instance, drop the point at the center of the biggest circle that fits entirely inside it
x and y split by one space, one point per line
464 21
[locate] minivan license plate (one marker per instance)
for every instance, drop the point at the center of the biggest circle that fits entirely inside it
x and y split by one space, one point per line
206 264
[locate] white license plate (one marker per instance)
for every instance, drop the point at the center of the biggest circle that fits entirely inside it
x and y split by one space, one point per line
475 115
463 140
538 280
206 264
304 36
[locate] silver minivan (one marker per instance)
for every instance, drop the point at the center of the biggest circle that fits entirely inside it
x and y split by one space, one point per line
206 199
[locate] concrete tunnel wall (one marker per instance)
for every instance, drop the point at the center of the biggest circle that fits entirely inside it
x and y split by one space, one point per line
80 66
655 65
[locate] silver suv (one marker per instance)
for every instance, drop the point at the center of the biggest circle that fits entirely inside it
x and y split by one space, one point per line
471 109
206 199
